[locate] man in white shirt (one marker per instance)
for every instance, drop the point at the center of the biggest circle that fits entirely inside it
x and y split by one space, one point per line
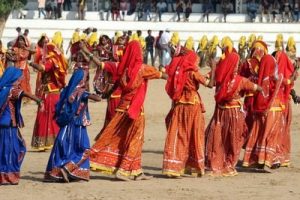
161 7
164 43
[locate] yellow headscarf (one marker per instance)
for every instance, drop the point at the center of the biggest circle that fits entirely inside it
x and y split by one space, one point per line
227 42
57 39
213 43
93 39
260 37
83 36
189 44
251 39
203 43
117 35
75 37
134 36
140 39
291 45
175 40
142 42
242 42
279 42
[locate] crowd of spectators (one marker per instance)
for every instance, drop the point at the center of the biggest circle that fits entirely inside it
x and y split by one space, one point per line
272 10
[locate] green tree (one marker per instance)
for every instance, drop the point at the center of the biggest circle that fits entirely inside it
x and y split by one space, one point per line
6 6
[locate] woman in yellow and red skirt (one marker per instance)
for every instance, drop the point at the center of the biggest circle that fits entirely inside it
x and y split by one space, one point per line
226 132
119 149
184 146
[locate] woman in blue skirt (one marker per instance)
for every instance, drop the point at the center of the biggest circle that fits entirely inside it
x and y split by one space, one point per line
12 145
69 159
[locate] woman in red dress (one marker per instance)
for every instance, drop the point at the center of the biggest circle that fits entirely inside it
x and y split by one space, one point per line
262 147
119 149
53 72
227 129
184 146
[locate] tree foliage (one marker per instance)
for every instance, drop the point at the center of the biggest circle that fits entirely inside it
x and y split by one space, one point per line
6 6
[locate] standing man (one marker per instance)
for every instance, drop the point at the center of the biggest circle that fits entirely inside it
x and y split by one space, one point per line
164 44
59 8
149 48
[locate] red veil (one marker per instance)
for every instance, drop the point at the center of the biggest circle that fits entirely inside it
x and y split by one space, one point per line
267 75
177 73
227 79
129 67
286 68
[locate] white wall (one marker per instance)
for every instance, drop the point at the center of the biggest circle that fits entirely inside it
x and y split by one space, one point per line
197 30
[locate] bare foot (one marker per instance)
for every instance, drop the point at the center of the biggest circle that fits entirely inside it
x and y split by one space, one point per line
65 175
121 177
142 177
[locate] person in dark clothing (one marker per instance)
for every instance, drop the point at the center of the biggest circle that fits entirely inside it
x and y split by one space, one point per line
179 8
149 48
67 5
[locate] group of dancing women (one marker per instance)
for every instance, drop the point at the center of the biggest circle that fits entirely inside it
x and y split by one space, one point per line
252 109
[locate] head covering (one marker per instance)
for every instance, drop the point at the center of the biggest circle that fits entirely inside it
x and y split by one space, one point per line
242 42
286 68
279 42
175 40
57 39
177 72
251 39
65 109
16 44
203 43
10 75
291 45
266 73
93 39
189 44
213 43
75 37
227 79
129 67
260 37
259 49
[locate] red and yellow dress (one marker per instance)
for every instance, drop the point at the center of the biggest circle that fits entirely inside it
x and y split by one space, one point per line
52 81
226 132
119 149
184 146
263 146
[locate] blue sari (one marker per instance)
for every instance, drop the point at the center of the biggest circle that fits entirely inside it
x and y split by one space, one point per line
12 145
70 153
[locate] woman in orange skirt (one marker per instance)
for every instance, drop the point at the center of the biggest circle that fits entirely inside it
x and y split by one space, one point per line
184 146
286 68
227 129
262 149
119 149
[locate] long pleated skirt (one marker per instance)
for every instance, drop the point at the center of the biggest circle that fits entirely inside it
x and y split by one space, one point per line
264 146
225 136
45 128
119 149
70 152
12 152
184 146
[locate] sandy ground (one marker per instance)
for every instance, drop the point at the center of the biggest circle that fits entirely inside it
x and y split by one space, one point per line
282 184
